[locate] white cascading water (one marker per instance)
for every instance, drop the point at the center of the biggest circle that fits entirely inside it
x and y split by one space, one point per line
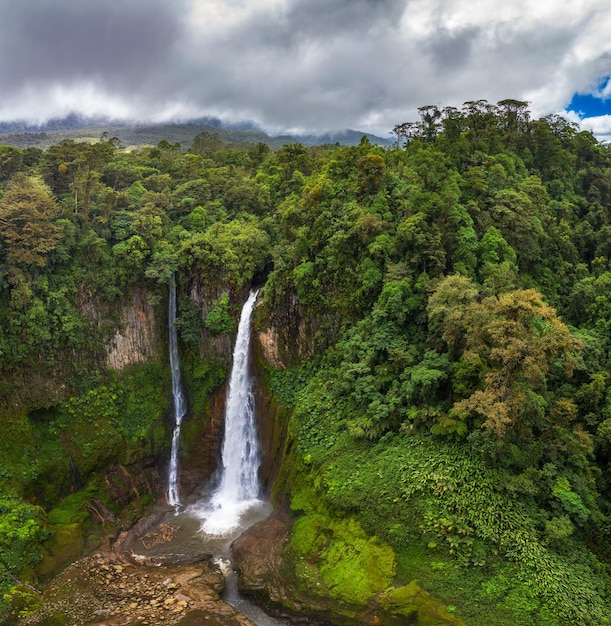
178 397
238 488
210 525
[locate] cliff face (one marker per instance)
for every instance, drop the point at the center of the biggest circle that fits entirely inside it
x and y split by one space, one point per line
201 439
284 333
134 332
283 336
212 347
137 339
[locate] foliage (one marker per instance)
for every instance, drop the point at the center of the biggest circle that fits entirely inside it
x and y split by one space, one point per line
189 321
201 379
416 491
27 212
218 319
286 384
508 341
22 529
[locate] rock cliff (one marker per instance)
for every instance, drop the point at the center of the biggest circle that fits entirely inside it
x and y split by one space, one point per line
137 339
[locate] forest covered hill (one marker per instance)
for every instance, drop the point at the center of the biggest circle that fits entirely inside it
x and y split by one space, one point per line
449 387
132 135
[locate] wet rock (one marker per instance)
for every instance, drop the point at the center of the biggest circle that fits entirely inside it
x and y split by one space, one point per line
258 556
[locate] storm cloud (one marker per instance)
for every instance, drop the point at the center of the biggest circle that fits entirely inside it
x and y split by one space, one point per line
309 65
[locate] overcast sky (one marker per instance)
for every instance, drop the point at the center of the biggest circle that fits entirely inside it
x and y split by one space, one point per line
293 65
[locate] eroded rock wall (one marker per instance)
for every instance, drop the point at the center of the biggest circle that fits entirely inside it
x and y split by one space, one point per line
284 334
213 347
137 339
280 340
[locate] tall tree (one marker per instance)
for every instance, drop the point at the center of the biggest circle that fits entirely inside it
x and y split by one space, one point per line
27 213
508 343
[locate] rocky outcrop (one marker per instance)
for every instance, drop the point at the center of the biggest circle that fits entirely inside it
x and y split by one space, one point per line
212 347
258 556
272 568
283 334
270 349
201 456
272 426
136 340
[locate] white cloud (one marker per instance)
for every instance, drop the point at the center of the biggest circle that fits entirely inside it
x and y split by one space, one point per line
313 64
599 125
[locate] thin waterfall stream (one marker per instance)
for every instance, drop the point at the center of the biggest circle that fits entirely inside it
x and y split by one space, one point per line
178 398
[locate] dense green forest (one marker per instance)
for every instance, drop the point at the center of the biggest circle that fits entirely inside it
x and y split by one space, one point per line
454 400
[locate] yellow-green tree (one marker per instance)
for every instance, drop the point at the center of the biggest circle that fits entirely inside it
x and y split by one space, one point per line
506 345
27 214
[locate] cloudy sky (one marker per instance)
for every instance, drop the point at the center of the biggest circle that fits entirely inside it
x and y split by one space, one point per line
310 65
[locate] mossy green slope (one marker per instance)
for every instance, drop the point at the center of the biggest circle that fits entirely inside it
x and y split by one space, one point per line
441 510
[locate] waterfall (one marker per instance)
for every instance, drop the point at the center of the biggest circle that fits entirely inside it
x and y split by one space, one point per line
238 488
178 397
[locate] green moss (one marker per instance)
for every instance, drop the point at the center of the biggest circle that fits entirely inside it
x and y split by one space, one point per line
64 547
71 510
22 601
339 557
413 602
301 501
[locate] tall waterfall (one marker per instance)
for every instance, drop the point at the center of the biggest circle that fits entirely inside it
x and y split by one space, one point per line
178 397
238 487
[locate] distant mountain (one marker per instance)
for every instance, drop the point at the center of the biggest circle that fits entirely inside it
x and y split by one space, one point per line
74 121
345 138
131 134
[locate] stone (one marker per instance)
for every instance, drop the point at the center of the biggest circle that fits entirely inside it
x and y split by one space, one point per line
181 596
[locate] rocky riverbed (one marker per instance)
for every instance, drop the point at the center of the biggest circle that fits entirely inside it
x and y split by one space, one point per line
106 589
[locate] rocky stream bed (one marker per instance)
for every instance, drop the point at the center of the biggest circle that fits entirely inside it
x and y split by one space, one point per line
105 589
159 572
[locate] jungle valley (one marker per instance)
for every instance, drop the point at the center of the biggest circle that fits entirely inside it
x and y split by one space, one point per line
431 350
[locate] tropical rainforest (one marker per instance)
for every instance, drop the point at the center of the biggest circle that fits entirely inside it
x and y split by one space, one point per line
446 390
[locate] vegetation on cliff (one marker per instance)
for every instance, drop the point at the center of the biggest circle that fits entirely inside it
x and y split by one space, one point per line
455 292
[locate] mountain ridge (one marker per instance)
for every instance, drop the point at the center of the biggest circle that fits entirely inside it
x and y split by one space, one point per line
22 134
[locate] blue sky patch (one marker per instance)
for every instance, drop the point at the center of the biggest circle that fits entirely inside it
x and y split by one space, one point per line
592 104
